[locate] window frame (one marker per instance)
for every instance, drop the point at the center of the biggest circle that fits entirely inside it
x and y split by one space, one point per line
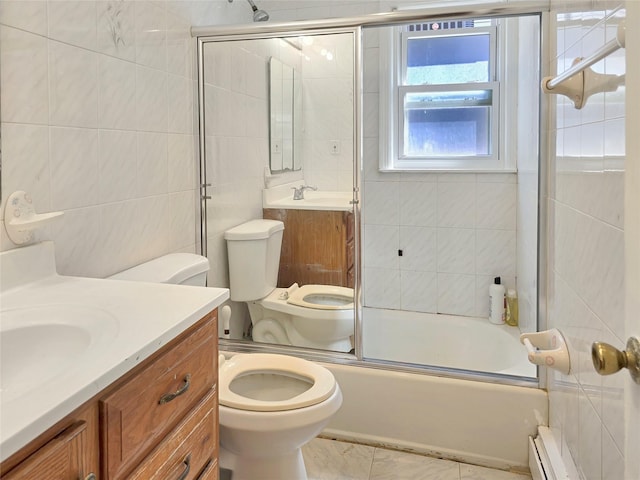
393 63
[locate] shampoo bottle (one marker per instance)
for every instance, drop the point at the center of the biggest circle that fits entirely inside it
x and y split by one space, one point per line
496 302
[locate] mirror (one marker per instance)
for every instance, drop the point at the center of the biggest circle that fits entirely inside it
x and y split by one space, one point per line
284 117
281 112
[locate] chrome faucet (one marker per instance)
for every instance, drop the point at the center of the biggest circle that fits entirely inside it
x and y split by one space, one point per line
298 193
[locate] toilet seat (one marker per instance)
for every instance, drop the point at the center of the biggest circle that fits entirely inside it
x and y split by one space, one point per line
322 387
336 298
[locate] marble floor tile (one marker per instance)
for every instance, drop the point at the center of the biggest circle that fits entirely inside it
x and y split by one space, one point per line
474 472
394 465
332 460
335 460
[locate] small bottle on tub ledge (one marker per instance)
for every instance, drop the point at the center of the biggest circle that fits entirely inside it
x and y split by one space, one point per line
511 317
497 302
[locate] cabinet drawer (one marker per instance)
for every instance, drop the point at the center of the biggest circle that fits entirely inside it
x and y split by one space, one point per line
148 405
76 434
210 472
60 459
189 451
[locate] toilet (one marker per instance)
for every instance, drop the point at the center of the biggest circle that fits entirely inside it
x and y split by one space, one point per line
315 316
174 268
269 405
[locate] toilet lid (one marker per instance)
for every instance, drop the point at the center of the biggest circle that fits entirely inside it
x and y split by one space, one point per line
314 383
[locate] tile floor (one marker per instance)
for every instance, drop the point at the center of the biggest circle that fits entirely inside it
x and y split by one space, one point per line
333 460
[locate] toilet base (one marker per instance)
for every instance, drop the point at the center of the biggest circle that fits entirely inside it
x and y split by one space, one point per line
284 467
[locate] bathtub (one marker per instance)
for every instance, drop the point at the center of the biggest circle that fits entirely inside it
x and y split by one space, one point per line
464 420
467 343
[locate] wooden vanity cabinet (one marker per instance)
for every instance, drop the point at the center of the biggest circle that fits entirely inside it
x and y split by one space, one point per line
159 421
142 409
317 247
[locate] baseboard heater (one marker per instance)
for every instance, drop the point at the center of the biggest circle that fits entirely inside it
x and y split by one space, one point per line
545 458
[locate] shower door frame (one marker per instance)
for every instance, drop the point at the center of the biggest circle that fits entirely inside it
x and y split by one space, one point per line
354 25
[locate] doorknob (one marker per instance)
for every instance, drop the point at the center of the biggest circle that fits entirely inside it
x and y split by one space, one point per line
607 359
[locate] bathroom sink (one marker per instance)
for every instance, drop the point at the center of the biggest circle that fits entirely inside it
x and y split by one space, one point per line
40 343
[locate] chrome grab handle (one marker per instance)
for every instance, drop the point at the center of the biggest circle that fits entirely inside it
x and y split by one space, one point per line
607 359
167 397
187 468
204 191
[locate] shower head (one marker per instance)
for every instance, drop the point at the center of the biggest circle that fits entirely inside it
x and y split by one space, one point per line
258 15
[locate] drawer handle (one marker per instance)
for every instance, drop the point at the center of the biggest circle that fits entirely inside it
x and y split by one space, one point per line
167 397
91 476
187 468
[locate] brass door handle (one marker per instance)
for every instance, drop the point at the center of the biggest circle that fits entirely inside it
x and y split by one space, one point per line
607 359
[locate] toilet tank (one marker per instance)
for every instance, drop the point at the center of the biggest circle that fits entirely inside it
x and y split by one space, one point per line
174 268
254 258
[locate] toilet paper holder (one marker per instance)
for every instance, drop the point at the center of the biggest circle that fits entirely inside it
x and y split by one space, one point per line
547 348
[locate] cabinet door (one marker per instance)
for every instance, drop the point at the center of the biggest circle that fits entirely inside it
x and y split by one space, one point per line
63 458
313 246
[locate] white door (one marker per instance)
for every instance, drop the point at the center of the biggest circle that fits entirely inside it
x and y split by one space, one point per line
632 232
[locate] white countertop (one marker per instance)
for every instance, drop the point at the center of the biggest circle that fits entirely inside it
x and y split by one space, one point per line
147 316
282 197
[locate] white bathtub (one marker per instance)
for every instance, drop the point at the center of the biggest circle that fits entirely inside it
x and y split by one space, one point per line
467 343
466 420
470 421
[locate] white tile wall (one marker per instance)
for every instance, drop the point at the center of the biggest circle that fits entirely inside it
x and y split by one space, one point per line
26 81
443 226
586 244
327 86
97 105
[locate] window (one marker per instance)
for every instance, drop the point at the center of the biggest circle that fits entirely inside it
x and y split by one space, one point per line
440 101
